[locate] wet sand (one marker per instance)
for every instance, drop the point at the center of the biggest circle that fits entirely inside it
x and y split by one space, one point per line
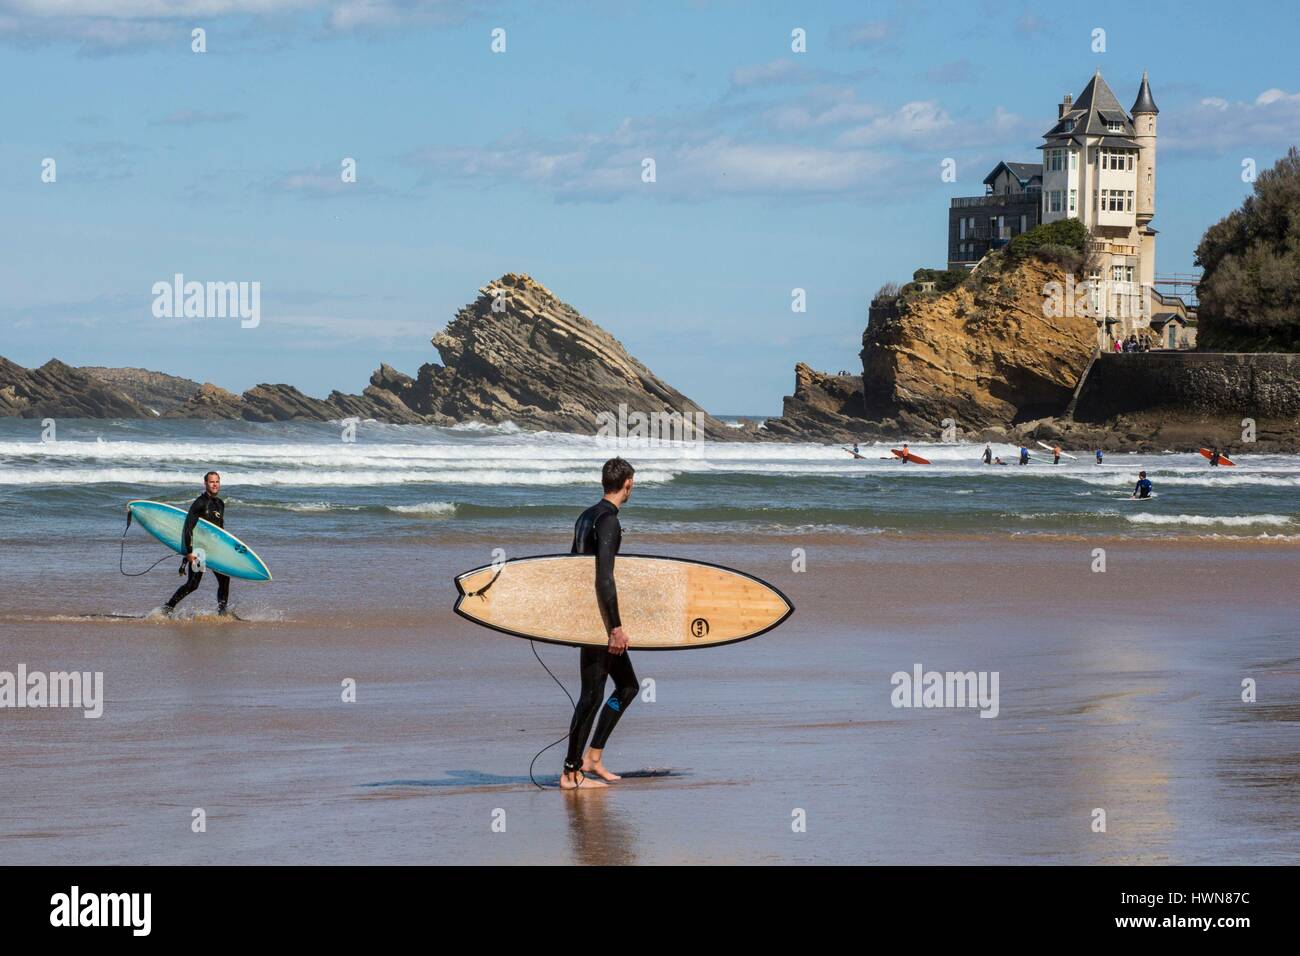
1119 690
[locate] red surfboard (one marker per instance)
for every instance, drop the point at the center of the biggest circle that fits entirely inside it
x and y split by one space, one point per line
915 459
1223 459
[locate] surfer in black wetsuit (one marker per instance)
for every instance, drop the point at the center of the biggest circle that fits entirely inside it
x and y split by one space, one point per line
209 507
597 532
1143 487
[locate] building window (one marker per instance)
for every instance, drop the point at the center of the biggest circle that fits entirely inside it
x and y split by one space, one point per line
1023 223
961 228
1074 159
1128 200
1128 273
1055 202
1113 127
1117 272
1130 162
1074 193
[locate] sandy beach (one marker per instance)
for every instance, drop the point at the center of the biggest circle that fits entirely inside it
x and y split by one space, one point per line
1118 690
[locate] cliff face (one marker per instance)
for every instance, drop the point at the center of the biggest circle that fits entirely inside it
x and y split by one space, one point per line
536 362
983 354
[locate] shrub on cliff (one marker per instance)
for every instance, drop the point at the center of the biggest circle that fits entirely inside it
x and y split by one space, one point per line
1051 242
1250 290
945 280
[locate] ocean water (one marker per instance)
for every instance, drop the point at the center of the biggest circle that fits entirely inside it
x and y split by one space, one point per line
287 480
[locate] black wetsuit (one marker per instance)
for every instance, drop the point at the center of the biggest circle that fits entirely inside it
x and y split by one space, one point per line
212 509
598 532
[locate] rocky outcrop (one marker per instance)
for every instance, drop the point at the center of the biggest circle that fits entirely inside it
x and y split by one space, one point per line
824 407
283 403
982 354
209 402
518 354
154 390
56 390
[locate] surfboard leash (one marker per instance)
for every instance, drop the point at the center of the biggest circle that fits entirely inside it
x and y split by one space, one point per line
533 645
481 591
121 554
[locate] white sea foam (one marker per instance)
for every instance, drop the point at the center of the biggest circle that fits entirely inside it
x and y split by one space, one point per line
427 508
232 478
1231 521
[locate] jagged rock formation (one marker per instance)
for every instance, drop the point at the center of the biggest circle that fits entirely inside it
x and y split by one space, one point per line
209 402
534 361
282 403
57 390
982 354
824 407
154 390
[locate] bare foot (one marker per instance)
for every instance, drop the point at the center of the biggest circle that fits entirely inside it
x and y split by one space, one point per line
575 781
597 767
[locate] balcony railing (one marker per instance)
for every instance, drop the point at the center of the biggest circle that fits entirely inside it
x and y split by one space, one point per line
998 199
985 232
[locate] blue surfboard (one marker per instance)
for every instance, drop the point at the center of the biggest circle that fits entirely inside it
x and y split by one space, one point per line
222 551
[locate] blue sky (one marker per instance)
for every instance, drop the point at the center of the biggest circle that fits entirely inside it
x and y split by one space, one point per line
775 170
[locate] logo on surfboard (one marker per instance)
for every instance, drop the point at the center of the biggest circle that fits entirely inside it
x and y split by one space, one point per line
699 627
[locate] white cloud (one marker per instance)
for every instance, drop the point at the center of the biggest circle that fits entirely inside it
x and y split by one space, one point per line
918 120
1275 95
1215 125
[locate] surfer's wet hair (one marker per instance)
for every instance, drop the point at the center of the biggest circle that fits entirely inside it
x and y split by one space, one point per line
209 475
615 474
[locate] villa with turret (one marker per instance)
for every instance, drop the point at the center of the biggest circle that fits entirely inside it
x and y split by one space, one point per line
1099 166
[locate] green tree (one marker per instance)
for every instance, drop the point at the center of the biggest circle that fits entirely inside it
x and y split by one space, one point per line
1250 290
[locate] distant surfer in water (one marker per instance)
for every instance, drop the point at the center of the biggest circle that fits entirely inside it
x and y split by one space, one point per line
597 532
1214 458
988 454
1099 456
209 507
1024 455
1143 487
1056 454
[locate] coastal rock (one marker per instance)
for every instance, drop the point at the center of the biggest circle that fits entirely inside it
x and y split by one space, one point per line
982 354
157 391
209 402
824 407
283 403
537 362
56 390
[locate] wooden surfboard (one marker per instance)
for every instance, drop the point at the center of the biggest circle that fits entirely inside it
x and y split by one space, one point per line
665 603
